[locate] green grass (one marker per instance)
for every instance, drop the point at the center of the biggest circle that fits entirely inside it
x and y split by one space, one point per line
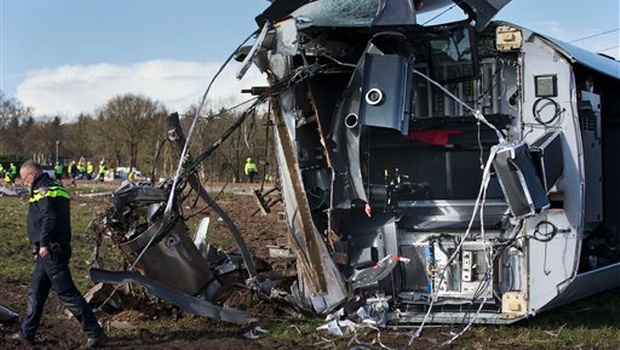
14 246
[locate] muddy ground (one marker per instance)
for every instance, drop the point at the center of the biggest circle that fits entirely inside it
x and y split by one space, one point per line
153 324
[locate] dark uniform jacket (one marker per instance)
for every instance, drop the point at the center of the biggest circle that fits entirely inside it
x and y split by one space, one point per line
49 216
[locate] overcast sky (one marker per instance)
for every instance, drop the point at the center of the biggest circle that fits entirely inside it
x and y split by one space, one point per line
64 57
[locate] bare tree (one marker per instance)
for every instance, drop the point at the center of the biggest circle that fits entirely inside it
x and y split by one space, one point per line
131 124
42 137
14 119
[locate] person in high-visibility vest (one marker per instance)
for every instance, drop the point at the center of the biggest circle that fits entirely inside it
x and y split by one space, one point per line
81 170
13 170
250 169
72 172
10 175
58 170
90 171
101 171
8 181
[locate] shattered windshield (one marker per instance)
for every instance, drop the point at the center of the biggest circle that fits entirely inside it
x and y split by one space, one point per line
339 13
361 13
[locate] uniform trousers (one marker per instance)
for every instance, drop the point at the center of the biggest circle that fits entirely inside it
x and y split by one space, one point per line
52 272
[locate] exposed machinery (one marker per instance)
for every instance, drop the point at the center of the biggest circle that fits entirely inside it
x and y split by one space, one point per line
461 171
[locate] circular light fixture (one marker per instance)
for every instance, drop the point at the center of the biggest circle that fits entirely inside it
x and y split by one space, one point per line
374 96
350 121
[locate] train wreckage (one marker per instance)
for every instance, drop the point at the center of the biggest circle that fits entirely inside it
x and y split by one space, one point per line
463 172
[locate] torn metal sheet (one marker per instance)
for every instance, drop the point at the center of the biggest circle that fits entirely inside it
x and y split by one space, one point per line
364 13
176 135
170 264
171 258
196 306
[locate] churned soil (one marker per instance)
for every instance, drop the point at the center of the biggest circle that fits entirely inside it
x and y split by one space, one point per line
150 323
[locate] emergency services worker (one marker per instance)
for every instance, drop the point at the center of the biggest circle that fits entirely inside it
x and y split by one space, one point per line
10 175
90 171
49 231
8 180
70 168
81 170
58 171
101 170
13 170
250 169
73 173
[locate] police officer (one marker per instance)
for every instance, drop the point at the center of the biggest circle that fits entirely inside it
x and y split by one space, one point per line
49 231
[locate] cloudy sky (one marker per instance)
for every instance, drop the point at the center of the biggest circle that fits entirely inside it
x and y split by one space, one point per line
65 57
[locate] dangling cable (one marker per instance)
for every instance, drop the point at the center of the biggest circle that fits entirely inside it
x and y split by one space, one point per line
177 176
487 274
486 178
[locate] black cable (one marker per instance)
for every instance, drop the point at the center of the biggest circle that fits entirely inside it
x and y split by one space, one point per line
545 236
536 111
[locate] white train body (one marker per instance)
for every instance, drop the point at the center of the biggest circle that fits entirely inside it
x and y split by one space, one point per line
459 172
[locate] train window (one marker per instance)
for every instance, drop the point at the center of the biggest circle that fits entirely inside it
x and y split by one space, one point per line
453 53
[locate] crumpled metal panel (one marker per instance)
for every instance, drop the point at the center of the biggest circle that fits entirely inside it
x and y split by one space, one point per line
347 184
171 258
483 10
581 286
196 306
589 59
129 192
321 286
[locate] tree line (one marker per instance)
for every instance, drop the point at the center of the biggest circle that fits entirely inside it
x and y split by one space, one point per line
130 130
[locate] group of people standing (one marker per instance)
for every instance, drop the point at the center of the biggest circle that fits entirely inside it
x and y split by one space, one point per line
9 174
80 171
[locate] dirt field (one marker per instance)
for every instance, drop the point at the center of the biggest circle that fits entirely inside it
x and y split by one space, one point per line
158 325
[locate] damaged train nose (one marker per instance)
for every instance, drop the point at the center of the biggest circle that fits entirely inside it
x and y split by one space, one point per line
441 168
172 267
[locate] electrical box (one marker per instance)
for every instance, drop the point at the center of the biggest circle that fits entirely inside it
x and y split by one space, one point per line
520 183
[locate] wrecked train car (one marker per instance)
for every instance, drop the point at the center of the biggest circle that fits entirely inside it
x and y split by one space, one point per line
463 172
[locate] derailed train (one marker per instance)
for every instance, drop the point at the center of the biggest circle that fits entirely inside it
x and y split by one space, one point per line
463 172
463 169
